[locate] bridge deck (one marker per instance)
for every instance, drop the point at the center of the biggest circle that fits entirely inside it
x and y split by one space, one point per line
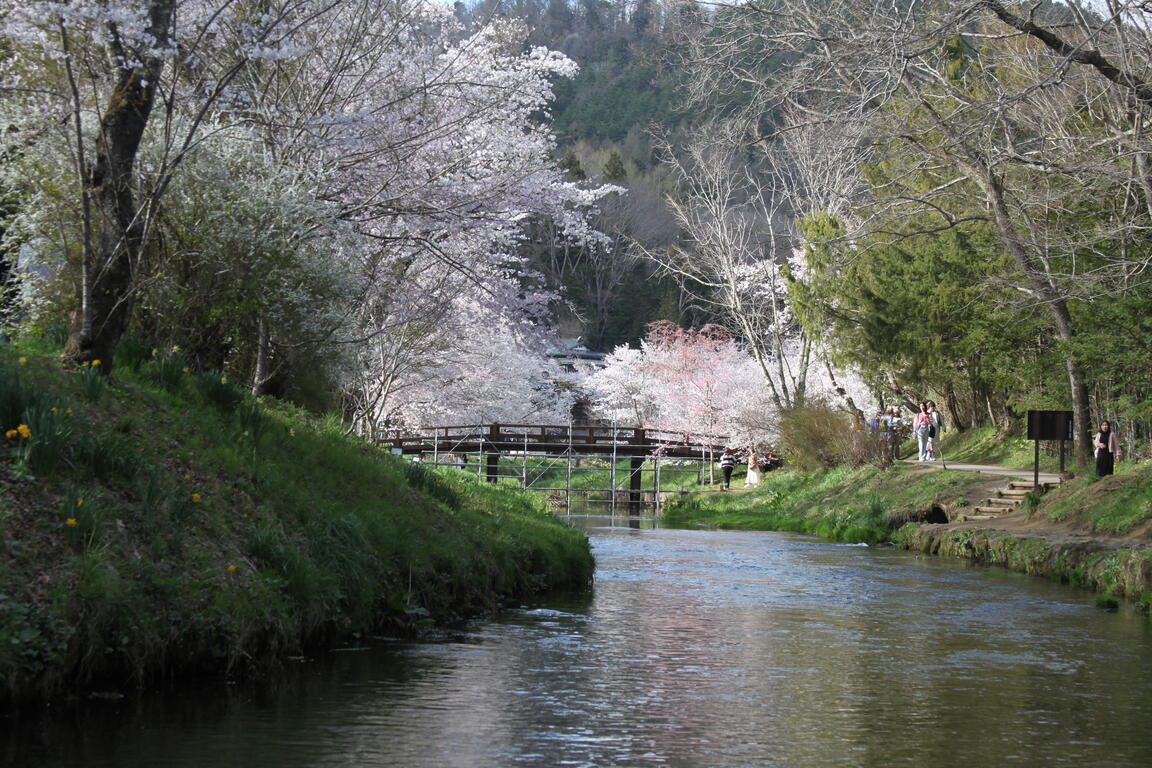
553 440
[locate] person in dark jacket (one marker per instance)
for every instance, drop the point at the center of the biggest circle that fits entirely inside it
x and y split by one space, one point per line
727 464
1107 450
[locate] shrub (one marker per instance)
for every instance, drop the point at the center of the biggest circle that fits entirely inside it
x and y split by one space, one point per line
817 436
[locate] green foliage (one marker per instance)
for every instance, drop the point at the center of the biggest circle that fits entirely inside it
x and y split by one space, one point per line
167 368
189 563
93 382
82 518
49 441
107 455
132 352
218 391
15 397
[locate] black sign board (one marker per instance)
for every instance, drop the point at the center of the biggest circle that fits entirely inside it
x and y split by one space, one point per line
1049 425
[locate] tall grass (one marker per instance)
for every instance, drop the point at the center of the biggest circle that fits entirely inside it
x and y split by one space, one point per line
187 561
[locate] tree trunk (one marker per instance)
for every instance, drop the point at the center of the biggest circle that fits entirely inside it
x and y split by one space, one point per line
107 286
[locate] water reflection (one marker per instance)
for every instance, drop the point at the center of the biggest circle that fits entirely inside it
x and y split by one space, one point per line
695 649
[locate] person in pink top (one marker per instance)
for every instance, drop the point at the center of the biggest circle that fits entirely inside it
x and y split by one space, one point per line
922 428
1107 450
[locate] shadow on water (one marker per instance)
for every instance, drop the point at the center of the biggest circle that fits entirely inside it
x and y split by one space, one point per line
693 649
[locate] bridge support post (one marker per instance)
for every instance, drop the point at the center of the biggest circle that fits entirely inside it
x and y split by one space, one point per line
493 458
635 481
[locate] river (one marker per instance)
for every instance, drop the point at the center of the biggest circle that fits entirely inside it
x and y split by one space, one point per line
694 649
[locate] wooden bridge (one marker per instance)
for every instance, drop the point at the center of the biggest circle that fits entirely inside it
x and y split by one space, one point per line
534 454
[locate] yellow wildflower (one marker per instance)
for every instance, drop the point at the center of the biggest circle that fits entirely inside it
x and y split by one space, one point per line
11 434
84 364
232 568
55 410
187 476
68 412
24 431
23 361
185 369
259 401
175 348
155 352
70 522
223 379
95 363
292 433
196 498
79 503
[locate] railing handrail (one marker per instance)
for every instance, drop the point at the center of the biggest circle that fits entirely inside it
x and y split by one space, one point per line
647 436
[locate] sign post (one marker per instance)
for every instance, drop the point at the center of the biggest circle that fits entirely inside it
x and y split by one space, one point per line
1048 425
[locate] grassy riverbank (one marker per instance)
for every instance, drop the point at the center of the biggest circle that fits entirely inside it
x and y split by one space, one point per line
1090 533
167 522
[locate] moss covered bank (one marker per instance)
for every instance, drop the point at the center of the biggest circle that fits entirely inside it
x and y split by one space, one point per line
163 523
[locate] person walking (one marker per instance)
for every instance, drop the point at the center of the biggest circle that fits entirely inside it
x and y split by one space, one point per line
752 479
922 427
727 464
1107 450
936 431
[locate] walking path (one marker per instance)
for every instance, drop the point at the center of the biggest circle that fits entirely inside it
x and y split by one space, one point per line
991 469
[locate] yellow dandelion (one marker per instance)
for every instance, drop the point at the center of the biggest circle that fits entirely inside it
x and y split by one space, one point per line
55 410
68 412
259 401
23 361
223 379
70 522
196 498
11 434
155 352
24 431
232 568
95 363
84 364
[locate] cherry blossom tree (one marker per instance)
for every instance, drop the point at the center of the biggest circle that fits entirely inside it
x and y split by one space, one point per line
418 143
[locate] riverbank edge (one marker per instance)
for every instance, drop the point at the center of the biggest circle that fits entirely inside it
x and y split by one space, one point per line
203 552
1083 562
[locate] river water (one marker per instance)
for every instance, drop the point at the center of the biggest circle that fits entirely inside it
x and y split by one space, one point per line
693 649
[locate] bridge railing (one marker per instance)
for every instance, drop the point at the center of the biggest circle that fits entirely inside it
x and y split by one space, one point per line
549 434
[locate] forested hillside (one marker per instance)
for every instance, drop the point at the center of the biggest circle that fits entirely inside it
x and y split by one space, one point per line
400 226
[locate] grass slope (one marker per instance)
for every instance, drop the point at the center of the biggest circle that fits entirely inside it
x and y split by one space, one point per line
167 522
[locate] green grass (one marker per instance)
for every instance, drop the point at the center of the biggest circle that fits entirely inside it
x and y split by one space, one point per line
1115 505
174 523
863 505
